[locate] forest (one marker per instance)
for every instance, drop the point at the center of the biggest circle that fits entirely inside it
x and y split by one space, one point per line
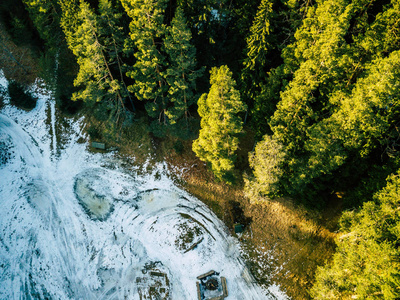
316 82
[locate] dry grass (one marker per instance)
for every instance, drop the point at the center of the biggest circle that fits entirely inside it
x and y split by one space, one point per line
133 140
294 241
283 243
17 62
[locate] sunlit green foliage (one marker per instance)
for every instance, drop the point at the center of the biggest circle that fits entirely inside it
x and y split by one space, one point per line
336 109
266 164
366 265
220 123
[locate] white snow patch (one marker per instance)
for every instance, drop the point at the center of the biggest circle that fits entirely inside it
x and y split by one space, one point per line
52 247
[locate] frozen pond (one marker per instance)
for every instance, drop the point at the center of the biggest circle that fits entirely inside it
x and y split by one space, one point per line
79 225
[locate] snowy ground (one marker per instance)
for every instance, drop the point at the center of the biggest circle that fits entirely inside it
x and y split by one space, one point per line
79 225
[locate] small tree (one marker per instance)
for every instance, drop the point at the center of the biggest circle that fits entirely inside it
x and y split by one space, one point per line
265 161
220 123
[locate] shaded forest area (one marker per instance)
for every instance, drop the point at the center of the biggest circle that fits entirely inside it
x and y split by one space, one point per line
281 99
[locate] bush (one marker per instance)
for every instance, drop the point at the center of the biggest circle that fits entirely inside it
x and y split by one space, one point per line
20 97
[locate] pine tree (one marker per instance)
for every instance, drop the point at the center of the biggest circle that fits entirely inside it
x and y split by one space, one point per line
257 42
263 75
95 78
147 31
181 73
334 50
113 35
46 16
220 123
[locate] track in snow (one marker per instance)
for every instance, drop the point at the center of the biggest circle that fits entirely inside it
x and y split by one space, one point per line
78 225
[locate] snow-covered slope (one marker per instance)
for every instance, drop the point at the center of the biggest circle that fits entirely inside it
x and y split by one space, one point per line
79 225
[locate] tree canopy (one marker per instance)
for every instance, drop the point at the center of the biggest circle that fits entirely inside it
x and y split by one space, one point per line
220 123
366 264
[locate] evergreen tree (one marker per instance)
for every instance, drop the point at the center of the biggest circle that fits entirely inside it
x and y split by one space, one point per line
366 264
113 35
258 43
220 123
46 16
334 50
181 73
264 76
147 31
95 78
266 163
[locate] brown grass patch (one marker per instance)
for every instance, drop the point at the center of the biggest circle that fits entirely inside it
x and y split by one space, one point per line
17 62
283 243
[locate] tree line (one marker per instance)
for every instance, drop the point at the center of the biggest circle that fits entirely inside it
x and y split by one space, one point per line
317 82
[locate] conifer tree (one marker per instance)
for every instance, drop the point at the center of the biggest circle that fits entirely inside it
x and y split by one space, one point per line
220 123
181 73
95 78
264 76
113 35
333 50
258 42
147 31
46 16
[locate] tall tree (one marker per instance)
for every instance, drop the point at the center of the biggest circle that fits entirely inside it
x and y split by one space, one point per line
95 77
265 70
181 73
46 16
220 123
147 30
113 35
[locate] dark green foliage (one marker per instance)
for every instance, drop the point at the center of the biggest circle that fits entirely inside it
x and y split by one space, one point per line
181 73
165 72
178 147
263 75
45 15
17 22
94 133
20 96
147 31
366 264
93 41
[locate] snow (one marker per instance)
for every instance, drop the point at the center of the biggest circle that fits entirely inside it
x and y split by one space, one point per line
79 225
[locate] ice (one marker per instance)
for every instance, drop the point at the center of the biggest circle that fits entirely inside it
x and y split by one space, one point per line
79 225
